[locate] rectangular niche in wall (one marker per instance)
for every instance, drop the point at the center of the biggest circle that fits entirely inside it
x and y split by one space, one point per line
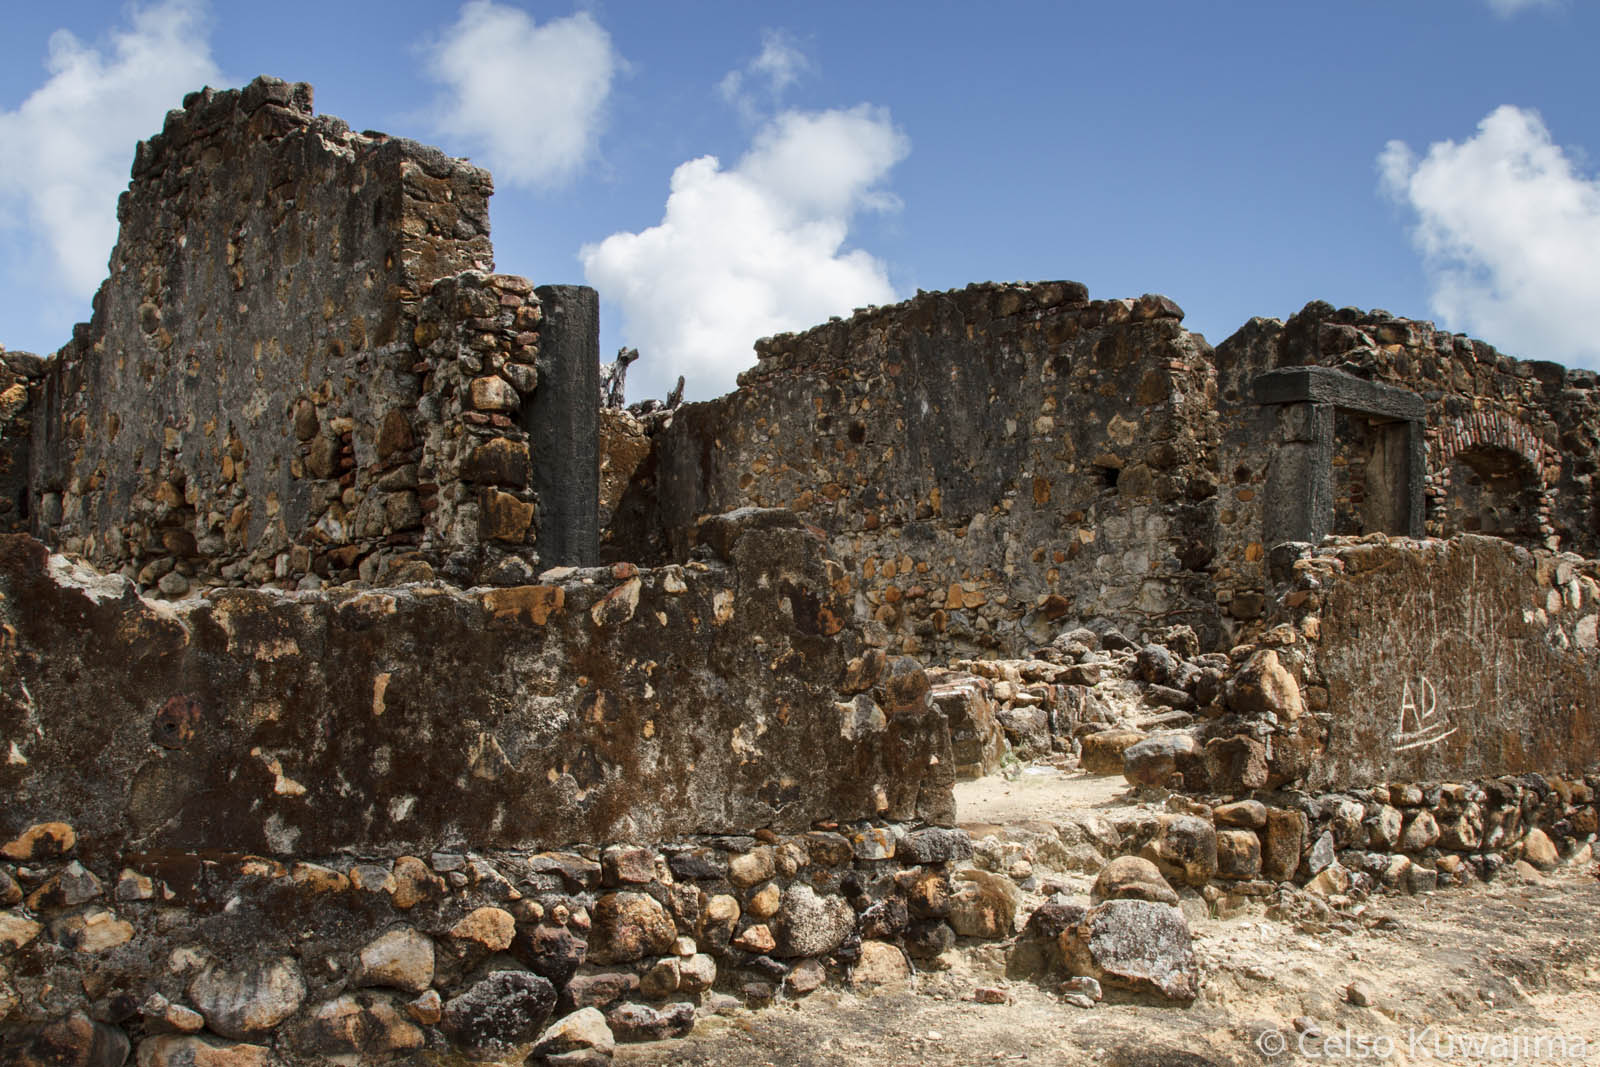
1370 471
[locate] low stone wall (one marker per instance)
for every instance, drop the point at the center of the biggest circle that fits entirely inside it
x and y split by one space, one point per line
1404 837
724 695
223 957
1441 660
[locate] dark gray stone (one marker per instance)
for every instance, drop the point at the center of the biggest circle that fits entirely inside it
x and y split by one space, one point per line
562 421
505 1008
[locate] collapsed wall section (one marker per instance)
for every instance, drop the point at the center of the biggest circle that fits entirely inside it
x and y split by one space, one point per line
989 464
1507 447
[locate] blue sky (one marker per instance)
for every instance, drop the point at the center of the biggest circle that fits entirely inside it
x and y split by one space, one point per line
1433 157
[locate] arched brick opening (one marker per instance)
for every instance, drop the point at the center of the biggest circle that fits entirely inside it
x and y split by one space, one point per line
1490 474
1493 490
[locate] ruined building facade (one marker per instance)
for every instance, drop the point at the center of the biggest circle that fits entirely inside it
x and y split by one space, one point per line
338 618
302 371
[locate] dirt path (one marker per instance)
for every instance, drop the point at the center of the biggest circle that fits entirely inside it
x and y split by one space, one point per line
1452 972
1469 964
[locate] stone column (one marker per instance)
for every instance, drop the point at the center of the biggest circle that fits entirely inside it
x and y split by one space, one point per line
563 426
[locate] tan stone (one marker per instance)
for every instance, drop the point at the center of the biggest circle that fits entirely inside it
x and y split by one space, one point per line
170 1050
629 926
368 1025
427 1009
502 517
95 930
41 841
401 959
491 927
584 1029
617 606
1132 878
983 905
1264 684
1539 850
753 867
1101 753
882 967
247 999
757 938
315 878
16 930
531 603
764 904
722 910
494 394
414 883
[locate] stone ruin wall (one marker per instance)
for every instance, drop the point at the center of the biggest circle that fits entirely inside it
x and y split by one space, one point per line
989 464
1509 446
606 704
400 810
300 370
1436 660
285 826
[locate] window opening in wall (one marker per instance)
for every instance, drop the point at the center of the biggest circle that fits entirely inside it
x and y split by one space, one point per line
1369 474
1493 490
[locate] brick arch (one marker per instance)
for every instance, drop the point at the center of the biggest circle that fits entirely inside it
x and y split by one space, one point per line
1489 429
1490 432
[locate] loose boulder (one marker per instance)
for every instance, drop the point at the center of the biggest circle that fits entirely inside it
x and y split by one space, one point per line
1101 753
1153 761
1137 945
1185 848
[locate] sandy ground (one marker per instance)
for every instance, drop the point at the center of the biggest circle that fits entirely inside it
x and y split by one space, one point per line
1508 972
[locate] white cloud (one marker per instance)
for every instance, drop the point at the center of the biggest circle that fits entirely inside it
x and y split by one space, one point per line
528 99
754 250
70 143
1509 231
778 66
1508 8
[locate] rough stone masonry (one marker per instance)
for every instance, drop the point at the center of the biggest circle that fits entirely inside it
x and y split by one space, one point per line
368 690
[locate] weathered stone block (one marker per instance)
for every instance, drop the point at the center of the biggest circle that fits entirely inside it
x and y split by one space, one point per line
499 461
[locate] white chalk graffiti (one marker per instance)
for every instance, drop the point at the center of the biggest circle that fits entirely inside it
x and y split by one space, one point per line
1421 722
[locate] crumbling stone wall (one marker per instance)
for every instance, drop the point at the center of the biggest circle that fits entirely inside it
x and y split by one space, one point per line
988 463
229 957
1508 447
300 370
19 376
723 695
1447 660
382 820
1393 660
